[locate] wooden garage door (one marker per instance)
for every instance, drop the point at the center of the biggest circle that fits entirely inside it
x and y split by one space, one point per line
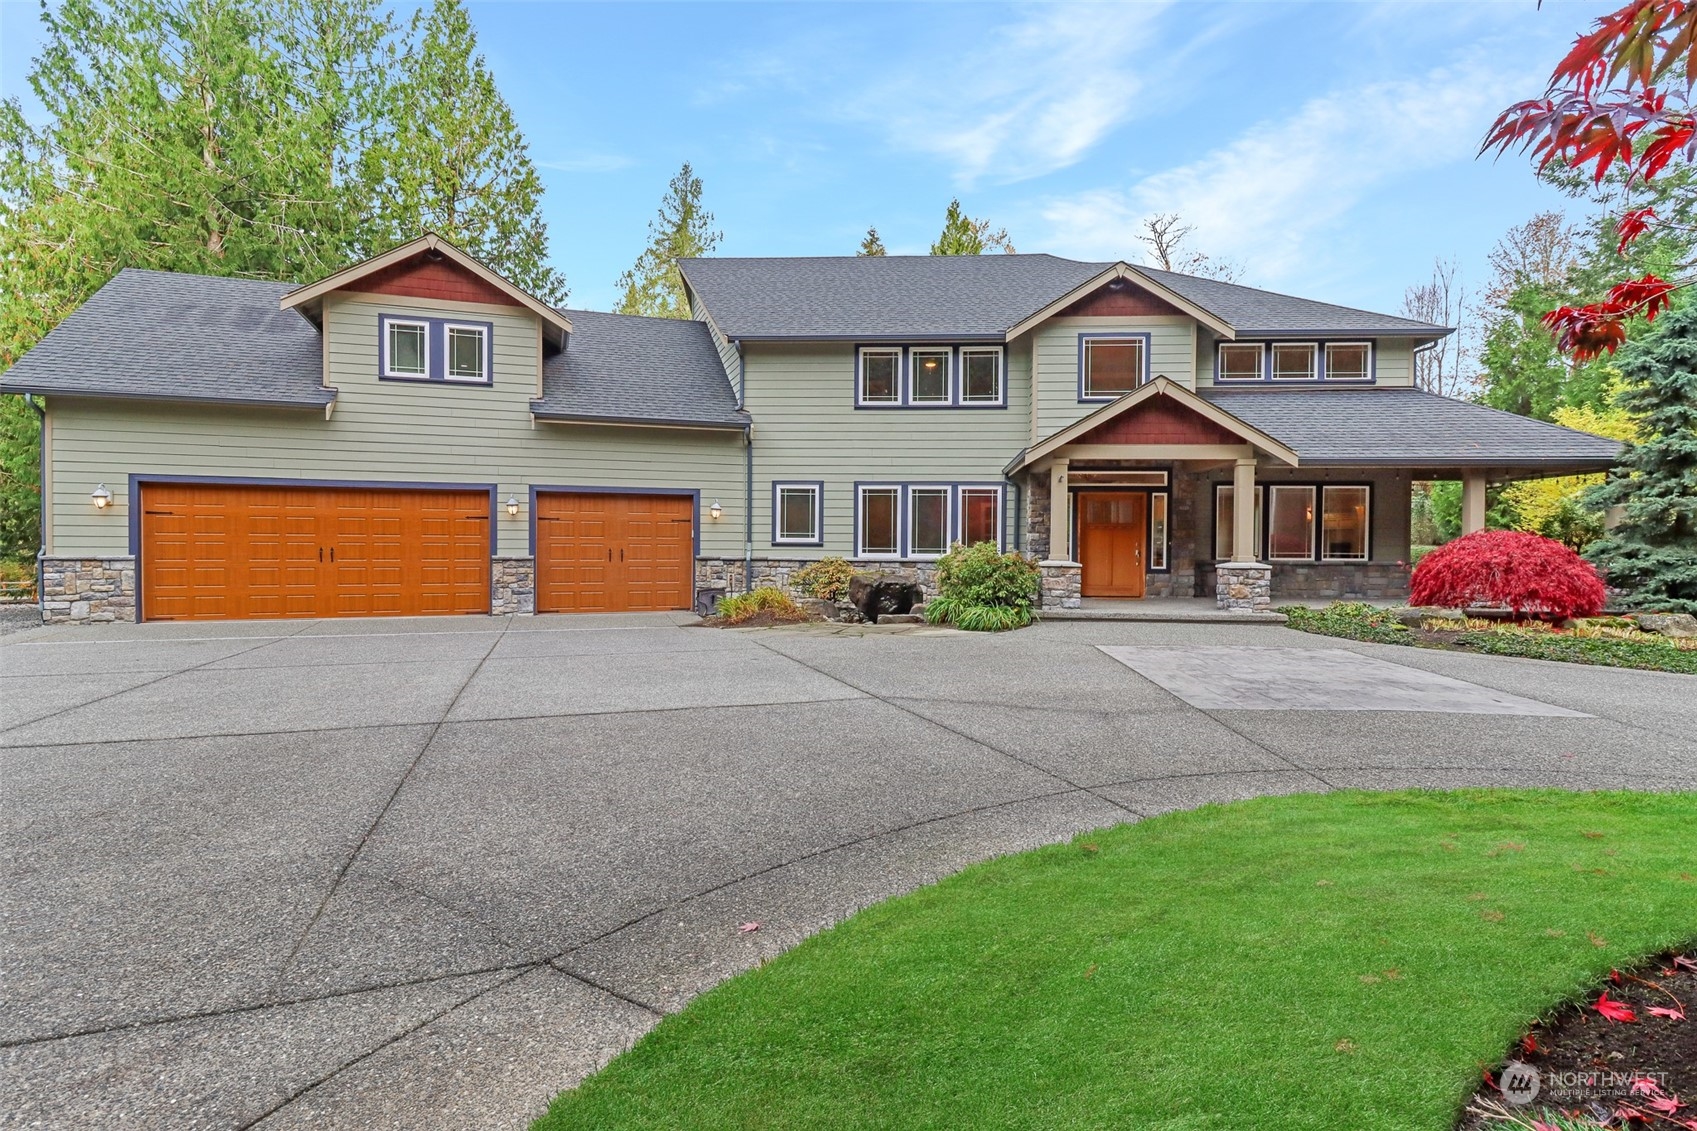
614 553
239 552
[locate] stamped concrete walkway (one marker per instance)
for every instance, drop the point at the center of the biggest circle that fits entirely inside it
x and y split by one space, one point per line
421 874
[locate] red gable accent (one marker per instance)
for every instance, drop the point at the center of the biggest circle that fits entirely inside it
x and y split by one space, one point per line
1159 420
1127 299
423 277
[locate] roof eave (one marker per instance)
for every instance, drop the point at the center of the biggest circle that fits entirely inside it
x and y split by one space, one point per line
132 395
556 416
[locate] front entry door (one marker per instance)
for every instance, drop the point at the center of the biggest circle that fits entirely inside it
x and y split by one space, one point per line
1113 529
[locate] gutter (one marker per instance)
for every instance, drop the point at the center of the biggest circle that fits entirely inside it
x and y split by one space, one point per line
130 395
748 478
41 493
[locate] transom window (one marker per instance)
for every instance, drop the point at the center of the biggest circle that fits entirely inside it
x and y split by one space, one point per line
1344 524
981 375
879 534
931 381
796 514
1241 362
1112 366
928 519
467 347
880 379
1293 361
408 349
1348 361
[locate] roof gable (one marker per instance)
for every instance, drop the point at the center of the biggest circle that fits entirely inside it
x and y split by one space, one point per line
1160 420
1119 298
438 278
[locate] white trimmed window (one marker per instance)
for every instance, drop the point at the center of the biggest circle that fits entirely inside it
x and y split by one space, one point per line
878 522
929 379
1294 361
1223 528
1157 530
1239 361
1112 367
406 349
981 515
981 375
1290 527
1349 361
467 350
1345 517
879 378
796 513
928 521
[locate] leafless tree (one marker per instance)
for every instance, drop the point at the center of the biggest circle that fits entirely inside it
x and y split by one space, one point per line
1541 251
1442 367
1165 233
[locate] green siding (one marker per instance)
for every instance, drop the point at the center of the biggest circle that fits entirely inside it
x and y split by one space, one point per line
807 428
1172 354
381 431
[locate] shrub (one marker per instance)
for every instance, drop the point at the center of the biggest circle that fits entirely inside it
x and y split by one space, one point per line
827 578
765 599
1521 572
981 589
1352 620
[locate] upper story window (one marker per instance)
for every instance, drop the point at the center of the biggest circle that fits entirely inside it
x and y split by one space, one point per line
1294 361
435 349
1111 365
930 377
1242 361
408 349
1349 361
880 377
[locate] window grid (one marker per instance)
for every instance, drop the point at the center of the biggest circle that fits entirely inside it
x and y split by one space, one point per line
463 364
1117 372
792 500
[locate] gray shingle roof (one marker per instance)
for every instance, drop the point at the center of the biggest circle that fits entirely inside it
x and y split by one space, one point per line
965 296
624 369
158 335
1408 428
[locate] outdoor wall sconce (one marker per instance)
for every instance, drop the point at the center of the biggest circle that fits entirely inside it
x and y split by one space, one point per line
716 511
101 496
513 505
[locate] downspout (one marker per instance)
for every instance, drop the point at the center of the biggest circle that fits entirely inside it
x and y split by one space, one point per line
41 491
748 477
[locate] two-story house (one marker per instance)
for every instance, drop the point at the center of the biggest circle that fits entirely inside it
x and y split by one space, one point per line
417 435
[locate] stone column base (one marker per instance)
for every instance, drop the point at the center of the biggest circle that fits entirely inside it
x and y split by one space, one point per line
1244 586
88 590
514 586
1063 585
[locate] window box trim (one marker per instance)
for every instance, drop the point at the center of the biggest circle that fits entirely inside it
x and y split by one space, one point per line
1001 399
1313 374
1325 363
1088 336
488 351
385 368
817 486
860 489
1261 366
950 493
860 355
435 350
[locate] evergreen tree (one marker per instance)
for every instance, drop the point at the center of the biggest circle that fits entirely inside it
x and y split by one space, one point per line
871 245
1652 553
682 229
962 235
450 158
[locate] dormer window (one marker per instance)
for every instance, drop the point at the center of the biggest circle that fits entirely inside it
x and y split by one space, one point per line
467 347
408 349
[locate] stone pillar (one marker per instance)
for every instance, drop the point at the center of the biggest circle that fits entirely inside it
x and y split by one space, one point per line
88 590
1243 587
514 586
1243 512
1060 513
1472 502
1062 585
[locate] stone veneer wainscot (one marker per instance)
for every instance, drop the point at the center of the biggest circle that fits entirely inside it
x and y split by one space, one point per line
88 590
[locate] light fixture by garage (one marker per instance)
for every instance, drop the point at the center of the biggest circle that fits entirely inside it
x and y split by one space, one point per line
715 511
513 505
101 496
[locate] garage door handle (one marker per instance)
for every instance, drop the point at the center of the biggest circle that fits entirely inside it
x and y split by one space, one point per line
609 553
621 553
332 553
321 553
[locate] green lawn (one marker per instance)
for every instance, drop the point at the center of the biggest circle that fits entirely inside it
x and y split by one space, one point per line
1338 961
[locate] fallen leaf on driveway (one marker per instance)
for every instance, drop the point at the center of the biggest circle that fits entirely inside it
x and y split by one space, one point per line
749 928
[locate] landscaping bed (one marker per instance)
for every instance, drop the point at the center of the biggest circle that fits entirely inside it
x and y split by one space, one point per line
1315 961
1609 641
1623 1054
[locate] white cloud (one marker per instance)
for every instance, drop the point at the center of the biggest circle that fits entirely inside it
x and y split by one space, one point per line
1263 198
589 163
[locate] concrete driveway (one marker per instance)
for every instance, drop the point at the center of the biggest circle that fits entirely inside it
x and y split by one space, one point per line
427 873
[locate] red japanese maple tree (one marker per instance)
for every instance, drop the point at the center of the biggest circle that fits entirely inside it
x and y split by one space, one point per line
1621 98
1509 569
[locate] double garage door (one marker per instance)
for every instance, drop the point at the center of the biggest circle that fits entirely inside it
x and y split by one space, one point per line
237 551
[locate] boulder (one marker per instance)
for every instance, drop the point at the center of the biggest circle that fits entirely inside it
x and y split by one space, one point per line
900 618
1418 615
817 607
876 595
1668 624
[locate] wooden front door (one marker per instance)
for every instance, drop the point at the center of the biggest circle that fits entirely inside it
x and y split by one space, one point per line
1113 534
614 553
224 551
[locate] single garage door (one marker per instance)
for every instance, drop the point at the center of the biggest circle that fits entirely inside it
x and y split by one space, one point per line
237 552
614 553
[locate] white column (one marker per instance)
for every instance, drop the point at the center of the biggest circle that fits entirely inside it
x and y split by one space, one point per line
1243 512
1472 502
1060 513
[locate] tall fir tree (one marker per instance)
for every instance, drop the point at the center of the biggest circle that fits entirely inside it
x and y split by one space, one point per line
1652 552
450 158
962 235
871 245
682 229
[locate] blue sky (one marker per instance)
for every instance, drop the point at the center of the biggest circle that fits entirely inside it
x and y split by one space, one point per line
1329 148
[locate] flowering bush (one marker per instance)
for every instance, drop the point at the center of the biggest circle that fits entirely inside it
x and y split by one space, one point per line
1522 572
